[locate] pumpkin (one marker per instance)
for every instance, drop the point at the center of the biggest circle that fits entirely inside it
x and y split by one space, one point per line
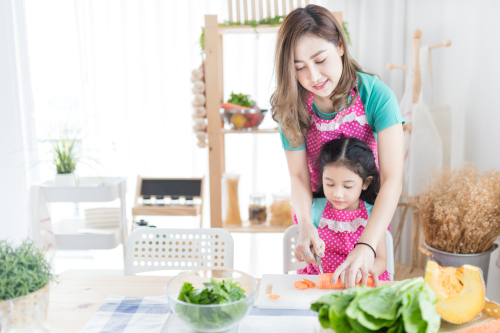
460 291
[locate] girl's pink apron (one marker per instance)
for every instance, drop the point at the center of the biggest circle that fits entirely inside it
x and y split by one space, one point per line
340 230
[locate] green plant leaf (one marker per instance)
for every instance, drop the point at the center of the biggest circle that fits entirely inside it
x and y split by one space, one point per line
23 269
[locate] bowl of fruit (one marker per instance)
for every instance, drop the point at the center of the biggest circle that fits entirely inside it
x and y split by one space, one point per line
241 113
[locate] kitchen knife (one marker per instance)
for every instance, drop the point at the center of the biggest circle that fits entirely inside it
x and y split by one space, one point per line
318 260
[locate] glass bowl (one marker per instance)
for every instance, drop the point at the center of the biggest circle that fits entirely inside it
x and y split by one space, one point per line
243 119
211 317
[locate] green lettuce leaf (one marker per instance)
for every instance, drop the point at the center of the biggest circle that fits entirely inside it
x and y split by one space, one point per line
405 306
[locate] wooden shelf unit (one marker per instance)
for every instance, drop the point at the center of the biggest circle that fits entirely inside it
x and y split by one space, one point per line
214 93
253 131
248 227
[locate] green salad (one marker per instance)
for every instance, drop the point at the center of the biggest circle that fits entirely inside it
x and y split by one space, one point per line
214 292
405 306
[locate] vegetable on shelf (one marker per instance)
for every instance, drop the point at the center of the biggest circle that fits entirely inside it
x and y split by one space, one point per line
231 106
460 291
325 282
405 306
241 99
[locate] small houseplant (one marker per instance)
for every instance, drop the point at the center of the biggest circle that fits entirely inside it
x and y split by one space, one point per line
63 150
25 275
65 159
460 214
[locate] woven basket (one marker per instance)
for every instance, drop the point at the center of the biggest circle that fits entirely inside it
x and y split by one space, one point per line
26 309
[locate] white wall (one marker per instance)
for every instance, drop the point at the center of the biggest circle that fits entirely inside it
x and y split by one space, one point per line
466 77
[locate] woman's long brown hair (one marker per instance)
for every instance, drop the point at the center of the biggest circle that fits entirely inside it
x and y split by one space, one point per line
288 101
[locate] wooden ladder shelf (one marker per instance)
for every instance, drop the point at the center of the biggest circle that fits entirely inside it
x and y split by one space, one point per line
214 93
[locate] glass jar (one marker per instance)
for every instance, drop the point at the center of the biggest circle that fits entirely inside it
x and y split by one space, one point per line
281 210
257 210
146 200
230 201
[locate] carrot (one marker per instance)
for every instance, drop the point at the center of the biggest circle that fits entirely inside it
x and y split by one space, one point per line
301 285
274 296
489 327
324 282
231 106
309 283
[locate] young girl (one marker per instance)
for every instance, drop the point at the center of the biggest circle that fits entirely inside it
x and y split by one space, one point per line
350 184
323 94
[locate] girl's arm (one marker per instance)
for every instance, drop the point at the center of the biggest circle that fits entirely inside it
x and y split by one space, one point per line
390 158
302 201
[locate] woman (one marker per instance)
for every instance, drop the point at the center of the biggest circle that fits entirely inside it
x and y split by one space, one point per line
323 94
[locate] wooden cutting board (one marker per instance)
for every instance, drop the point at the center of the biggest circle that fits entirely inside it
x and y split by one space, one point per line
291 297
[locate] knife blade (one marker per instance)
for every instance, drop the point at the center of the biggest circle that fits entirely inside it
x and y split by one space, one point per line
318 260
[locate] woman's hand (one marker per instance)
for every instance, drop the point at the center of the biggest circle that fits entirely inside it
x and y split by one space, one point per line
308 241
358 263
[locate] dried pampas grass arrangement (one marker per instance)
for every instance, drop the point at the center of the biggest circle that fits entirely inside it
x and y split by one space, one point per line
460 210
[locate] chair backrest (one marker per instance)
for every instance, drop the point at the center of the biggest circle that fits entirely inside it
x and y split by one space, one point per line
289 261
292 264
154 249
390 254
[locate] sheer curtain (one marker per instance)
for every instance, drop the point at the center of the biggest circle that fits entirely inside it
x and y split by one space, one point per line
17 134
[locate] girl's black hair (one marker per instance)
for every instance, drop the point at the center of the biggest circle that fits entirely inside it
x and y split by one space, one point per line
355 155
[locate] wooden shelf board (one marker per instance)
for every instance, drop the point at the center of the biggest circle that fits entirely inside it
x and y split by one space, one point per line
253 131
180 210
247 29
249 228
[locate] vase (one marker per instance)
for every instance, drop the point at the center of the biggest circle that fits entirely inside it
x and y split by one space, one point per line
65 179
26 314
446 259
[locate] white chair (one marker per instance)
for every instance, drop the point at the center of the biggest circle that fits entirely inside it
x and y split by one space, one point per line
289 261
292 264
154 249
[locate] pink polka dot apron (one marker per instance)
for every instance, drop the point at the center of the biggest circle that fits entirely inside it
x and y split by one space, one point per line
340 230
351 123
348 123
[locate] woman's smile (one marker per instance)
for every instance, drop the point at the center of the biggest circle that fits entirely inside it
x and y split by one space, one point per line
321 85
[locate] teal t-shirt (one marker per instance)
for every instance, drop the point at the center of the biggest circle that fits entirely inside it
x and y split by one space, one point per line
381 107
318 207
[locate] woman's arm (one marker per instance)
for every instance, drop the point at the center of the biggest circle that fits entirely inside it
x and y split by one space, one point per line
390 158
302 201
380 263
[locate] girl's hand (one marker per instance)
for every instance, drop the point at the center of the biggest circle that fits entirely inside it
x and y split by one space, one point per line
359 261
308 241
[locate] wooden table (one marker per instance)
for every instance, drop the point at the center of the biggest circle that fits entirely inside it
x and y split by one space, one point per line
76 298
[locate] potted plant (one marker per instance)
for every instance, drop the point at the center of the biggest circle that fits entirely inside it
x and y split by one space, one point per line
460 216
63 150
25 275
65 159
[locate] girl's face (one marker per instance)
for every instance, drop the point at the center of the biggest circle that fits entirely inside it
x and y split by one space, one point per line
343 187
318 64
